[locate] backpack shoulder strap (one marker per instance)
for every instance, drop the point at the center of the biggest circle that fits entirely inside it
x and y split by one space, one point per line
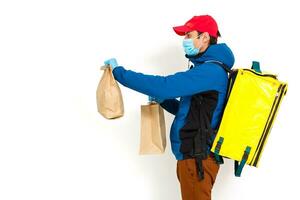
224 66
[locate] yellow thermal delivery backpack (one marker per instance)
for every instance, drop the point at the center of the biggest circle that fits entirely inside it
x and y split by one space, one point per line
253 99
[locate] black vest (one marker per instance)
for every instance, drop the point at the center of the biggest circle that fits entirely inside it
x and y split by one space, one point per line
196 135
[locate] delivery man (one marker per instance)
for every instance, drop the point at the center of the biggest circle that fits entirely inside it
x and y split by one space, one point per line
205 79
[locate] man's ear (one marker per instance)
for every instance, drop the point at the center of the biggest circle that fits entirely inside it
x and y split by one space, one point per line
206 37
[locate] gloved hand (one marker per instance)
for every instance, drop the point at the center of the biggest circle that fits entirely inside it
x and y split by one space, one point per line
111 62
155 99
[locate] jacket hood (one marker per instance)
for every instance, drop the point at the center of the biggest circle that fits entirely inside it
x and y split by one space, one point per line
218 52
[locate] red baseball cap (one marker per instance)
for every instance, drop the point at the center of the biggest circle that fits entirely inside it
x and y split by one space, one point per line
201 23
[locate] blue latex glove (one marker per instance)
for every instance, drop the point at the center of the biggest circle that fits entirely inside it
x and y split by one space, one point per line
111 62
155 99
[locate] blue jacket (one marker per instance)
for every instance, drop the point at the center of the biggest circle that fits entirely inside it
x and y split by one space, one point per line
202 77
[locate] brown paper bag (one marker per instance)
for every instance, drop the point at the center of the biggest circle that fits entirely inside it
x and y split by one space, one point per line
109 96
153 129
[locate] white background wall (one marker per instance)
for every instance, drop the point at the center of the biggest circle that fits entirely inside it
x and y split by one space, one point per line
55 145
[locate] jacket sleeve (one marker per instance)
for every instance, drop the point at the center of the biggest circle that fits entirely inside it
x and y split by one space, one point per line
192 81
170 105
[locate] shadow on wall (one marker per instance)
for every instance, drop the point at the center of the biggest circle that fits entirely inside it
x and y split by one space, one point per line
223 183
168 59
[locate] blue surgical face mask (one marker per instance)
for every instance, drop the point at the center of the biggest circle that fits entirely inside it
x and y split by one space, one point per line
189 47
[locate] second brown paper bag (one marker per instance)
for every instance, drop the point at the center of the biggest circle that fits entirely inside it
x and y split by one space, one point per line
153 129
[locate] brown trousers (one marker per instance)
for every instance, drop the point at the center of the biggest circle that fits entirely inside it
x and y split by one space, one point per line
191 187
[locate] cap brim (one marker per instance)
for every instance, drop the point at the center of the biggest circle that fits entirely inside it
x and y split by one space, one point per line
181 30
